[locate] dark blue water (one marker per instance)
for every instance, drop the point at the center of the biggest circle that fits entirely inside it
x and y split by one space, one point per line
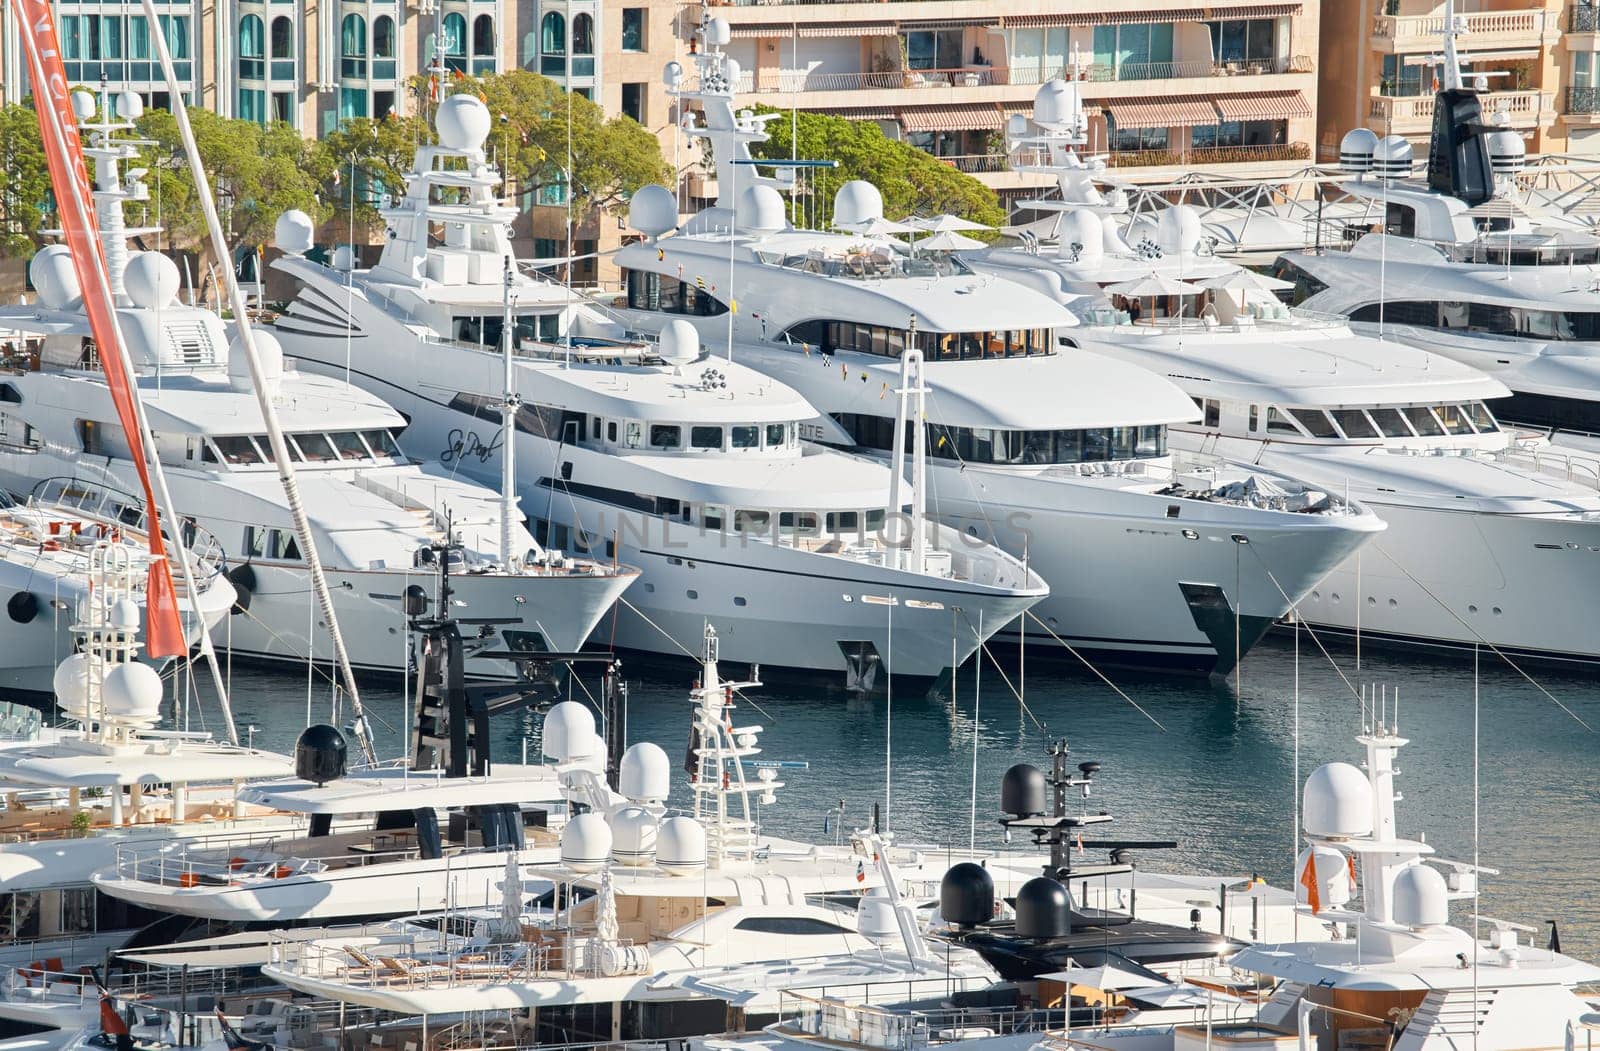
1217 774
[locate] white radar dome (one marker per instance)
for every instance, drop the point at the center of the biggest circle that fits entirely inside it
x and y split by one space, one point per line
633 837
1178 229
83 105
875 919
568 732
680 846
760 209
645 775
679 342
269 353
1332 876
125 615
1337 802
55 279
586 843
462 122
71 685
856 202
152 280
653 210
1391 157
1056 102
718 33
672 74
1507 153
732 71
1081 227
130 106
294 232
132 694
1420 896
1016 126
1356 150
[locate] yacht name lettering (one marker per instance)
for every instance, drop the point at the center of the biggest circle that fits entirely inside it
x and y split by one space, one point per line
461 444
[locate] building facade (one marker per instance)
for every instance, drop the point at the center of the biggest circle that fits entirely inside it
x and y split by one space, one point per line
1536 60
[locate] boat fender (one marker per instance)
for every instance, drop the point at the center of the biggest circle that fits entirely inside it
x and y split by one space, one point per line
23 607
243 579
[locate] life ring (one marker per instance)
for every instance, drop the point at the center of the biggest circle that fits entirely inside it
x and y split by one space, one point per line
23 607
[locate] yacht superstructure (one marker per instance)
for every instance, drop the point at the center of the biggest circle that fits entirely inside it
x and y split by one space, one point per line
1059 458
692 468
375 513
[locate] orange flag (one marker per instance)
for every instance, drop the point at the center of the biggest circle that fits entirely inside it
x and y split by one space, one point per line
1308 880
69 179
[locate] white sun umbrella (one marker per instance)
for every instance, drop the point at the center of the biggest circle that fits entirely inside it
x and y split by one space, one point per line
1244 282
605 924
1108 977
509 928
948 241
878 227
1178 995
1154 284
945 224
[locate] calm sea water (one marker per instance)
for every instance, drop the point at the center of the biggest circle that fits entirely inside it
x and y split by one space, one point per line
1217 774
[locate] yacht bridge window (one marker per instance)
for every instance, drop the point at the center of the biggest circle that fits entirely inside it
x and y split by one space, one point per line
1488 318
1407 421
884 341
250 450
665 294
487 329
998 446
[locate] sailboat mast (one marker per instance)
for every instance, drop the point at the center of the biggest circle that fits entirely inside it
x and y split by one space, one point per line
508 432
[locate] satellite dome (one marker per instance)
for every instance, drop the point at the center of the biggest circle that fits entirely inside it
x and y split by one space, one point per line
320 754
679 342
132 694
586 843
1337 802
1507 153
1391 157
269 355
680 846
84 105
130 106
856 202
645 775
1022 791
1335 885
462 122
1356 149
568 732
718 33
633 837
966 895
875 918
1016 125
1044 909
71 685
653 210
1083 228
1178 229
1056 102
1421 897
55 279
125 615
151 280
293 233
672 74
732 71
760 209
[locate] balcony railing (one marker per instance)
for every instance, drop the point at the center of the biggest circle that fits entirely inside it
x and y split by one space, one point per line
1204 156
976 163
1524 109
1583 100
1584 20
794 81
1482 27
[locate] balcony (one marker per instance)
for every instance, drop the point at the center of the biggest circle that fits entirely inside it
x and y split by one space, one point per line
1583 107
1583 29
1413 115
1486 31
995 170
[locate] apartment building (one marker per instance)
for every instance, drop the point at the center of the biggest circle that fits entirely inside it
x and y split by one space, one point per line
1227 84
1536 60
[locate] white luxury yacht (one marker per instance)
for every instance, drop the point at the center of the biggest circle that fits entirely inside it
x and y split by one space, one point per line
1487 534
1466 265
690 467
376 515
1059 458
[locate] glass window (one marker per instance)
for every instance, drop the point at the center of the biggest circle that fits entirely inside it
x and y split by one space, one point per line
666 436
349 445
633 29
381 443
353 37
1354 423
583 34
1422 419
635 434
1279 423
751 521
483 35
1213 412
255 542
455 35
1454 419
283 35
843 521
176 28
711 517
705 437
553 34
1391 423
804 522
1481 417
252 37
775 435
744 437
237 449
314 447
383 37
1316 422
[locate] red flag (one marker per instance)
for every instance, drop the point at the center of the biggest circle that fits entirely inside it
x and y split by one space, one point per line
1308 880
111 1022
69 178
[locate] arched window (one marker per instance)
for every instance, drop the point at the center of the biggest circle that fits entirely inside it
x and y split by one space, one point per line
483 35
252 48
553 34
383 37
354 37
282 37
583 35
455 34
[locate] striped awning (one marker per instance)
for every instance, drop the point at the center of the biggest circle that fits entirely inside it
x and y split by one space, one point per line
1264 105
757 32
1161 112
845 29
961 117
1170 14
860 112
949 23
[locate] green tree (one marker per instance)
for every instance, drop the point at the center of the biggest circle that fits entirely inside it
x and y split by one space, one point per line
26 204
363 162
911 181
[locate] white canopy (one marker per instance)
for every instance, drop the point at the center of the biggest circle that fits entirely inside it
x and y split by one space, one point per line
1154 284
946 223
948 241
1242 280
398 788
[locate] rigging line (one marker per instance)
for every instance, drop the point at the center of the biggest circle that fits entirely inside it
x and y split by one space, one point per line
1492 647
983 647
1098 673
1309 629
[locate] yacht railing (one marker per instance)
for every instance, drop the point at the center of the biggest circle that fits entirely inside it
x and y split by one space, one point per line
19 722
421 960
115 507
